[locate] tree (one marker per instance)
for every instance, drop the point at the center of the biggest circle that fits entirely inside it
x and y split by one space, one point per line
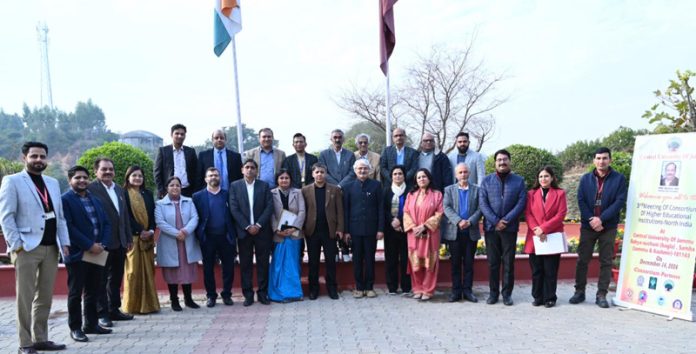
578 153
678 98
445 92
8 167
623 139
11 135
527 161
123 156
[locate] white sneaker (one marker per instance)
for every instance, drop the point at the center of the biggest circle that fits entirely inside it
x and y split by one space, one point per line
346 258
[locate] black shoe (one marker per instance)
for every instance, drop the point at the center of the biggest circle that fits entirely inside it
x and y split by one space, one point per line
120 316
210 302
264 300
313 295
602 301
550 304
507 300
105 322
191 304
248 301
97 330
470 297
333 295
227 301
176 306
27 350
454 298
537 302
78 335
48 346
577 298
492 300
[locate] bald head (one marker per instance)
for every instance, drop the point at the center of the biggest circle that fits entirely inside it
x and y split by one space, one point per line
427 142
399 137
219 138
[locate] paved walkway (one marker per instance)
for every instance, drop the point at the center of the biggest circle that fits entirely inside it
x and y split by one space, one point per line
387 324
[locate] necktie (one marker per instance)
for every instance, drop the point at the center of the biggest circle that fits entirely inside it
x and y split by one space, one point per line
218 164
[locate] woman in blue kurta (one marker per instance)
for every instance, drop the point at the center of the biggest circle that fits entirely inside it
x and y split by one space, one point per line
284 278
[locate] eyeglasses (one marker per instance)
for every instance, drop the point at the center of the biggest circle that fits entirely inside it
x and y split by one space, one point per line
398 135
362 142
428 140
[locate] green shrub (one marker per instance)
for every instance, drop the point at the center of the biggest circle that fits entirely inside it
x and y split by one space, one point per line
526 162
124 156
8 167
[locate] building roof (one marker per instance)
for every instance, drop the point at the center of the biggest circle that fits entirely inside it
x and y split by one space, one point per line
139 134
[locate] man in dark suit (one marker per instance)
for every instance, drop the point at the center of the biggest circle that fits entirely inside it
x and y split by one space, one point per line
323 225
436 162
228 162
89 231
216 235
299 164
364 218
176 160
251 205
111 197
399 154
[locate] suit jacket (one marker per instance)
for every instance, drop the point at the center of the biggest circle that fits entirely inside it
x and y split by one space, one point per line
164 167
388 160
293 167
149 199
239 207
373 158
363 207
120 221
674 182
167 247
451 205
207 160
296 205
333 206
338 174
474 161
22 212
80 226
509 207
255 153
200 200
548 215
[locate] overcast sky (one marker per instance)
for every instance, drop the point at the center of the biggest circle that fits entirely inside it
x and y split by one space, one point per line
576 70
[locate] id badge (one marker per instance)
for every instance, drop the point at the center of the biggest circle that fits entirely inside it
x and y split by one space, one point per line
50 215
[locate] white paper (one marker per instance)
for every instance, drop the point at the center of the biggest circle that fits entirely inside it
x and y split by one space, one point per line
98 259
555 244
286 218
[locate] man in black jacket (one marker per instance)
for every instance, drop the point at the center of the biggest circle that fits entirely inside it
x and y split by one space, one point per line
176 160
299 164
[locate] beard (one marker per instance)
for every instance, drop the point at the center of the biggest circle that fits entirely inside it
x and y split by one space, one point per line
463 150
36 167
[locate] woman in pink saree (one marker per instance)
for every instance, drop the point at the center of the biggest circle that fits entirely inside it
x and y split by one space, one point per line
422 213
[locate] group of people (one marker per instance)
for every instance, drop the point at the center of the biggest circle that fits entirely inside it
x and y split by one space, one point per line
216 205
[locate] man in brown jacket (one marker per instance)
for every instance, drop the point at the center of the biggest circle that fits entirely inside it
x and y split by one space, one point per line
323 224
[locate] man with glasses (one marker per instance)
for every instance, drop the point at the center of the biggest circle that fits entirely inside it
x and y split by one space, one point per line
436 162
399 154
502 198
362 141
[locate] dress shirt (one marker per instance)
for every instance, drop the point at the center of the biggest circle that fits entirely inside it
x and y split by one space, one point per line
400 154
111 191
180 166
220 159
301 164
250 193
338 156
267 168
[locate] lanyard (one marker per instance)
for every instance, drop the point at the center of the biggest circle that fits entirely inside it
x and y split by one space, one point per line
44 196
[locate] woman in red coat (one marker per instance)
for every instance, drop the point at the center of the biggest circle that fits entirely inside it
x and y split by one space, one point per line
546 209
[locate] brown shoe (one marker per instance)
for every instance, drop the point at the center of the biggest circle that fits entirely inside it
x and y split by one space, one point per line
371 294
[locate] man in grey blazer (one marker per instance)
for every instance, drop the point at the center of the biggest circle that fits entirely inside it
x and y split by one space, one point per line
268 158
338 161
32 219
474 160
462 232
111 197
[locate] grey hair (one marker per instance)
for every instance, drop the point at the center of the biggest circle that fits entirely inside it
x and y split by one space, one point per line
221 131
360 136
336 131
361 162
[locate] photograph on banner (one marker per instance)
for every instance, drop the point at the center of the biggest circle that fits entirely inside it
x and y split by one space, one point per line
657 260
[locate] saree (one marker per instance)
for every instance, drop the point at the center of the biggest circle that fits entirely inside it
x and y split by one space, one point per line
423 209
284 275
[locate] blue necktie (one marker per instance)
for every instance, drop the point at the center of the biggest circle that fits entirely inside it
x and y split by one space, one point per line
218 164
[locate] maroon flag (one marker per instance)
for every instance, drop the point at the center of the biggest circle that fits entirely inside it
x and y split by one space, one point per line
387 36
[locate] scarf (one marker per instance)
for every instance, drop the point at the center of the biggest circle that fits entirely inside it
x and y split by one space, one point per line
398 191
137 207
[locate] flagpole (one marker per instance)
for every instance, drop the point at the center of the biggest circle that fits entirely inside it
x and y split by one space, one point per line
240 128
388 111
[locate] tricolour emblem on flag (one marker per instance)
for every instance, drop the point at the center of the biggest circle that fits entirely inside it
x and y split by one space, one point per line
228 22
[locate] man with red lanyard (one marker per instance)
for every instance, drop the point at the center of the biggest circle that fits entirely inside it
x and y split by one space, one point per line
601 196
31 216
